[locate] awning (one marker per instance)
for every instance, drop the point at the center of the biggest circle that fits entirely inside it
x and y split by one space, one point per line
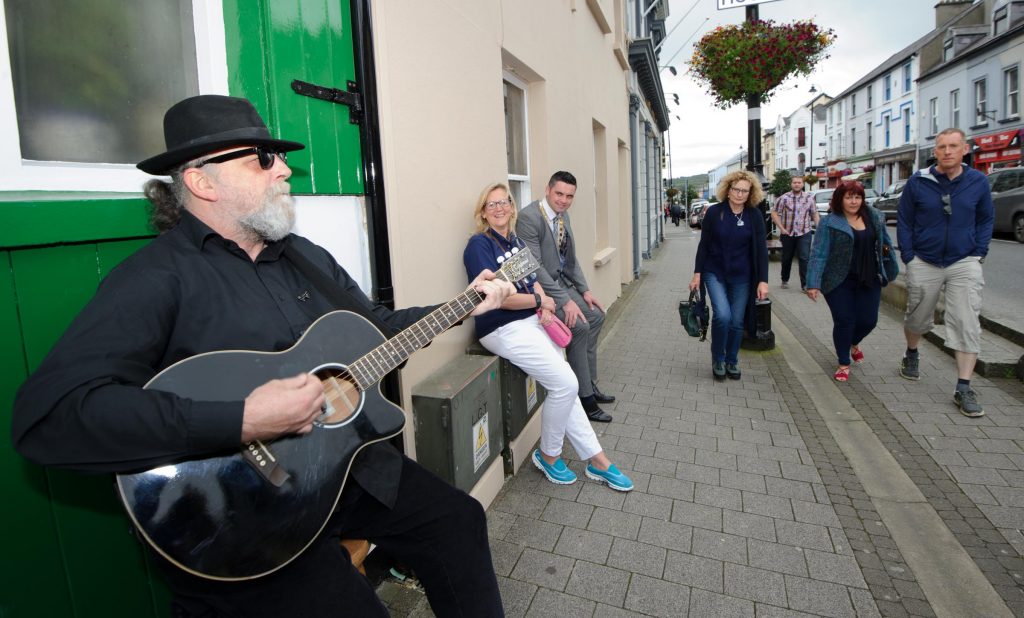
857 176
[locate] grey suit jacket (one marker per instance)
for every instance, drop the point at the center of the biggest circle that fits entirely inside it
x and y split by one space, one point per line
533 228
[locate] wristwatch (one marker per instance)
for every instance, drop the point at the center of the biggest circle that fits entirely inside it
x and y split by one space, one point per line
537 296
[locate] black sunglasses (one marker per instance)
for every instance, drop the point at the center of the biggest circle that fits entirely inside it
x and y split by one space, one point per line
266 156
946 205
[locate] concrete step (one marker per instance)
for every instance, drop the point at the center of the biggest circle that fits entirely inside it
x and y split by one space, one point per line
999 358
1002 348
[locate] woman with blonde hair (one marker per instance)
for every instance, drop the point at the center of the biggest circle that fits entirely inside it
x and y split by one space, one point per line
732 266
515 332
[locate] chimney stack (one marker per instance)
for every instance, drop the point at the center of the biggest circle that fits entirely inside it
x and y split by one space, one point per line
946 10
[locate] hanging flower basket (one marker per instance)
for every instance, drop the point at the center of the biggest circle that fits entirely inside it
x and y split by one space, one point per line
737 61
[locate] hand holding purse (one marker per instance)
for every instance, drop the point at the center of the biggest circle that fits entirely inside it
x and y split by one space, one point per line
695 315
557 330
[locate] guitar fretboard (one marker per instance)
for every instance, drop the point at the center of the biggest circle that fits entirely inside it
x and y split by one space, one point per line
383 359
370 368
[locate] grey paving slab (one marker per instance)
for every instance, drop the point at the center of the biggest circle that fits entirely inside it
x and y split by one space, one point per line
743 506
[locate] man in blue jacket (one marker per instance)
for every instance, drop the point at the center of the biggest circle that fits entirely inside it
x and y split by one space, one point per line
944 225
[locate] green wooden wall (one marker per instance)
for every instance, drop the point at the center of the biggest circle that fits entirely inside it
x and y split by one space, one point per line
67 546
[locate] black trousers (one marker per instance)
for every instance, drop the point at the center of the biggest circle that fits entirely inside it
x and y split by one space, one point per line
801 246
437 530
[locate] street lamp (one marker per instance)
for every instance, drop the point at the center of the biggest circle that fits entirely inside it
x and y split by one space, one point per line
813 90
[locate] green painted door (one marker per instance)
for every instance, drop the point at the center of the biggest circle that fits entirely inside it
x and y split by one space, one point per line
68 548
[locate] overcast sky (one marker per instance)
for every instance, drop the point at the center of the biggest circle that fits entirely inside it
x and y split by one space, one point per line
867 33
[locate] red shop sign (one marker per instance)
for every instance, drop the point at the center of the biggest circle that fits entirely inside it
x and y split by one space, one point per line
996 141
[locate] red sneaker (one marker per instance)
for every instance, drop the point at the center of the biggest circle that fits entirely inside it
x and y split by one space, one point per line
857 355
842 374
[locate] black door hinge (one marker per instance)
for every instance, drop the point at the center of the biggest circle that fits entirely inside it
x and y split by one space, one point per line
350 97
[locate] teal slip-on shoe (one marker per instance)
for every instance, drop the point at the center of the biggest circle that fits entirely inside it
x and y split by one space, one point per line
615 479
559 473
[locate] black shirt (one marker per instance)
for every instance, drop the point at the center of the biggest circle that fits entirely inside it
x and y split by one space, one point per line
187 292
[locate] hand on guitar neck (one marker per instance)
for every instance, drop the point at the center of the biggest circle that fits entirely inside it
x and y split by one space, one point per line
280 407
494 291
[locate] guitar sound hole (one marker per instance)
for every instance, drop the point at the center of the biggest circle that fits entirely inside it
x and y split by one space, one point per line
342 399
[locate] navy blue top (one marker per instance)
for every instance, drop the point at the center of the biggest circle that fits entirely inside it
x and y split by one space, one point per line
729 253
482 251
863 266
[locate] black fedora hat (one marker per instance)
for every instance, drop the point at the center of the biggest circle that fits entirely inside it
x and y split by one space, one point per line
208 123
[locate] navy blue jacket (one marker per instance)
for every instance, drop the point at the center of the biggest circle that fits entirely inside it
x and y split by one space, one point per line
923 228
758 248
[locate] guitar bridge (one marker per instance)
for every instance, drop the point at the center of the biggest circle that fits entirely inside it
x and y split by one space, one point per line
260 458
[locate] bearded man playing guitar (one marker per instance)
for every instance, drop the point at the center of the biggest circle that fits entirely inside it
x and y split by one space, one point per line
226 274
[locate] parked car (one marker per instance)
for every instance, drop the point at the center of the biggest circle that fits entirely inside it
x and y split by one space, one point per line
871 196
821 200
697 214
1008 199
890 200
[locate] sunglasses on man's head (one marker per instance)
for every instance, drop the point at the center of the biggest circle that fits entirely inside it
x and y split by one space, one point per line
266 156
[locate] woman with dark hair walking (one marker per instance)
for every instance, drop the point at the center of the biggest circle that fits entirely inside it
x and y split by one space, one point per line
732 265
851 260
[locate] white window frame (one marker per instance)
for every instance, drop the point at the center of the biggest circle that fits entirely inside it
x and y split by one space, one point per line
870 135
853 105
908 83
906 126
17 174
980 103
947 50
933 116
870 95
524 180
954 108
853 141
887 130
1011 94
887 87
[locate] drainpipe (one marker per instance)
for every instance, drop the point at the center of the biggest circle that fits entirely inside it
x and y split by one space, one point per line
647 204
634 105
375 203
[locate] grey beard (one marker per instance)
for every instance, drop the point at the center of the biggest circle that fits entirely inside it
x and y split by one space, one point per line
274 219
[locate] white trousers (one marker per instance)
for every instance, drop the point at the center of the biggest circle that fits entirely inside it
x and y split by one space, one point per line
528 347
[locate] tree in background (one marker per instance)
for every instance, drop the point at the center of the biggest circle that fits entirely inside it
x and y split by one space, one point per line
691 193
780 182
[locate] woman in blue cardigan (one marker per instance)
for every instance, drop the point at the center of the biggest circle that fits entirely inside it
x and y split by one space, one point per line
851 260
732 265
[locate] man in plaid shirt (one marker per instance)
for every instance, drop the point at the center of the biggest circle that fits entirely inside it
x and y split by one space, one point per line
793 214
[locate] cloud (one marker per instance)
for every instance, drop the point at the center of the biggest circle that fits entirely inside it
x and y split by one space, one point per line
868 32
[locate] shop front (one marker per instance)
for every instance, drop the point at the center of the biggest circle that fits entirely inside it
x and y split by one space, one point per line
997 150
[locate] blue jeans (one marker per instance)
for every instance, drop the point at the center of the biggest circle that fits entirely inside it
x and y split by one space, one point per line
801 246
728 306
854 314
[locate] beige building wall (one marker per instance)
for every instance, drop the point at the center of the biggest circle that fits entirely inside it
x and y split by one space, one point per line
440 65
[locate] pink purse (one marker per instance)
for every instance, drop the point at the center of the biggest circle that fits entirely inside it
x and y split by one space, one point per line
558 331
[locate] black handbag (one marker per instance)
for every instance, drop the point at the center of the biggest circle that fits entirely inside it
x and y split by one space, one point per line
694 315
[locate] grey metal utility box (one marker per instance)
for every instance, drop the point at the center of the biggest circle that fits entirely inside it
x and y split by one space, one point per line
521 395
458 419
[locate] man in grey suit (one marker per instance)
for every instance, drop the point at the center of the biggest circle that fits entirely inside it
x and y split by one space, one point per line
544 227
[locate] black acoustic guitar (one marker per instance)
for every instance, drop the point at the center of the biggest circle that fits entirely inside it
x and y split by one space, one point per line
246 514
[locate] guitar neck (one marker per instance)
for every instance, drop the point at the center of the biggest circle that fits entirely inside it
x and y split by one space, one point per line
383 359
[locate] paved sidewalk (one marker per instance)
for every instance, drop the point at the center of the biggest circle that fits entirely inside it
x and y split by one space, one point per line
745 502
